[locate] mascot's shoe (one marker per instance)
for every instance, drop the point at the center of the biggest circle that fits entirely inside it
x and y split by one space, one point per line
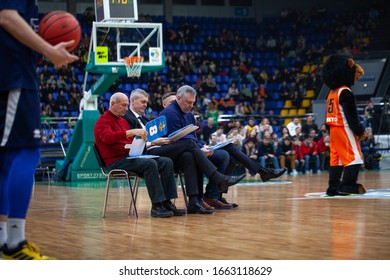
334 192
352 189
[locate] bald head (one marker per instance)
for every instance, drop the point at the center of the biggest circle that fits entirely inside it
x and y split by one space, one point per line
119 104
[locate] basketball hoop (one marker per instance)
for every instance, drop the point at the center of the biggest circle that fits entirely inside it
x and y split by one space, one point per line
133 65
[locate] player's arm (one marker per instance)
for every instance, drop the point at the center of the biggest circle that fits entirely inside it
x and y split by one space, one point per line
347 100
14 24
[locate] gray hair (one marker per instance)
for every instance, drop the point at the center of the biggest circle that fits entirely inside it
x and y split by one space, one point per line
166 95
136 93
186 89
117 96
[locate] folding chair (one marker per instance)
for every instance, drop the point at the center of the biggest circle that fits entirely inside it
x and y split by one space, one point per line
179 175
121 174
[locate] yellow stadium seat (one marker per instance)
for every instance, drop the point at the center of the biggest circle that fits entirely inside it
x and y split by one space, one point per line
301 111
284 112
324 58
310 93
305 103
286 121
287 104
306 68
292 112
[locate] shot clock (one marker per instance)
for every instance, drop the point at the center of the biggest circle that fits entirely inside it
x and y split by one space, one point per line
116 10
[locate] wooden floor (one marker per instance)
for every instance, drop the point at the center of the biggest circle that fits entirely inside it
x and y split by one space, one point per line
273 221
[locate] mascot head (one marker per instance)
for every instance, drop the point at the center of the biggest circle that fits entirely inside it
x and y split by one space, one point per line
341 70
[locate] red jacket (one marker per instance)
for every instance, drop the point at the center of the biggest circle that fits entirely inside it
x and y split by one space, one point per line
306 150
321 147
110 137
298 152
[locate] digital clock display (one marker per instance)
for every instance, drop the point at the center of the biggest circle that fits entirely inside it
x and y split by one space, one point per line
121 9
116 10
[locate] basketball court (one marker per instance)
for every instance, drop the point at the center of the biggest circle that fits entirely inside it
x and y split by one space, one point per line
274 221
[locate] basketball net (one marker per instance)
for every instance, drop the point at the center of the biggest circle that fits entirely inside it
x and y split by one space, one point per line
133 65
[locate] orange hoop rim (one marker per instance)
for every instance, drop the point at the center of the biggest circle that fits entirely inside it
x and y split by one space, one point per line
130 60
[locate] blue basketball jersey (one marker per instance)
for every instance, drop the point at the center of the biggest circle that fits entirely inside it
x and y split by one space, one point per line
19 97
18 62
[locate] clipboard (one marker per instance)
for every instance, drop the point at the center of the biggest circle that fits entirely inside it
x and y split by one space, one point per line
182 132
221 145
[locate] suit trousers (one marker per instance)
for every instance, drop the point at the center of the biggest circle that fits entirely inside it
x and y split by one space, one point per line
220 159
174 150
252 165
186 163
159 189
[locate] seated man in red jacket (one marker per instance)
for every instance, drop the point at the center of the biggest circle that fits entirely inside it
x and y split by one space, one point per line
112 133
310 153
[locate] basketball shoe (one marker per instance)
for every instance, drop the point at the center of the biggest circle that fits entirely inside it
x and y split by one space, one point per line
25 251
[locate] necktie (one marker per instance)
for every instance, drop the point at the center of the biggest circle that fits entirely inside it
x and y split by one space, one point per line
142 122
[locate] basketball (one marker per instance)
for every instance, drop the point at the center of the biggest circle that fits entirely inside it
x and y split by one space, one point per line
60 26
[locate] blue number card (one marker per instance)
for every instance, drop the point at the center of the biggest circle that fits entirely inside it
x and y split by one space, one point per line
156 128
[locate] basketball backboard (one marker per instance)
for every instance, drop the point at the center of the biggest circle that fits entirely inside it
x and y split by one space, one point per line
112 41
116 10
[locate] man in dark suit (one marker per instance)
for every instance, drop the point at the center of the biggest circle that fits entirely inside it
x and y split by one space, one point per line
179 114
178 152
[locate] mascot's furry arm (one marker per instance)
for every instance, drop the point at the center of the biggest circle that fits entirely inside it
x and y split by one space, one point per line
347 100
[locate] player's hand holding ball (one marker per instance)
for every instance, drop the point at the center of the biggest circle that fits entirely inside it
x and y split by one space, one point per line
62 30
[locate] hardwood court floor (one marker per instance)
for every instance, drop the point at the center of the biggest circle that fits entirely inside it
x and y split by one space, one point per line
273 221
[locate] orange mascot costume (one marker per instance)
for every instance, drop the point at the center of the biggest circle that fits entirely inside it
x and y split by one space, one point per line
339 73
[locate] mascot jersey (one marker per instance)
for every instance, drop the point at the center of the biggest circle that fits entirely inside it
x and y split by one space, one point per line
344 144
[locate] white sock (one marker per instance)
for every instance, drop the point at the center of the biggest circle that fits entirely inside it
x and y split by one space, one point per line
16 232
3 233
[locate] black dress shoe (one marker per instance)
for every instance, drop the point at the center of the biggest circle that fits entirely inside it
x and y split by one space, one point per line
197 208
269 173
223 200
171 207
159 211
230 181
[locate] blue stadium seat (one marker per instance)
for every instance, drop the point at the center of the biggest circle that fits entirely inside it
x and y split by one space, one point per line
275 95
128 87
62 125
74 113
55 95
65 114
224 87
225 79
194 78
107 96
80 78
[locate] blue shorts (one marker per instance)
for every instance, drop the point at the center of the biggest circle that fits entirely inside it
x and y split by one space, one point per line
20 118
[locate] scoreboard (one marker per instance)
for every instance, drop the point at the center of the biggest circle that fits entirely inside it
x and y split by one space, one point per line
116 10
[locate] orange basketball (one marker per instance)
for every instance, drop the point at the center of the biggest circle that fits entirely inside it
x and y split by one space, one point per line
60 26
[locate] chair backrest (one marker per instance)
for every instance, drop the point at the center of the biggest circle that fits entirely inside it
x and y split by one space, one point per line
99 158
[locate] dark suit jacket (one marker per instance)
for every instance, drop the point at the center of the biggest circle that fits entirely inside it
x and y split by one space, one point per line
133 121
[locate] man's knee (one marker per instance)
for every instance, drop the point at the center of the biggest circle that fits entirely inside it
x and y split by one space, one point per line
165 163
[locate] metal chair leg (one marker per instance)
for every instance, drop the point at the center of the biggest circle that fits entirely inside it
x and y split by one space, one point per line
132 205
183 188
106 197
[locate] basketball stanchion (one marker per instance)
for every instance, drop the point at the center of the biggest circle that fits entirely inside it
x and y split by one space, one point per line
133 65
